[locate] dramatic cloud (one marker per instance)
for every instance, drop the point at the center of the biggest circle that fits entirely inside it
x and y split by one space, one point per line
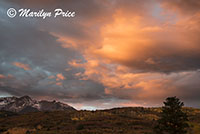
113 53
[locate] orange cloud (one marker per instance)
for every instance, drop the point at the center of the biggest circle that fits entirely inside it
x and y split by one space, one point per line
134 50
59 83
144 42
2 76
21 65
75 63
60 77
131 104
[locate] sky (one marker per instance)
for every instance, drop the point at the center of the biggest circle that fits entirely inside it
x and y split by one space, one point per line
113 53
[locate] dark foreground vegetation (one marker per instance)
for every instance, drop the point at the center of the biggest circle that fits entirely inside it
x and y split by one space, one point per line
173 119
135 120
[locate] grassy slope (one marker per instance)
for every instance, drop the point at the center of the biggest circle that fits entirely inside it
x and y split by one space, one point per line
113 121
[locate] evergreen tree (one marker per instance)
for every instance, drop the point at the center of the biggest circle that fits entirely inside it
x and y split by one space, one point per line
173 120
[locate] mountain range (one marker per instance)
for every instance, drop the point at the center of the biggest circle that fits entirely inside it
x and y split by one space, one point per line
26 104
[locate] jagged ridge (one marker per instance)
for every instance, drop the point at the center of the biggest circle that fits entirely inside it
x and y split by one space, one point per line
27 104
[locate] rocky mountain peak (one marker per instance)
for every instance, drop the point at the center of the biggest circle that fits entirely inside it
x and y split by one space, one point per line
27 104
26 97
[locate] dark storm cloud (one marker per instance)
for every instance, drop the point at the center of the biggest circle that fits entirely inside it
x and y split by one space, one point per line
166 64
87 11
31 55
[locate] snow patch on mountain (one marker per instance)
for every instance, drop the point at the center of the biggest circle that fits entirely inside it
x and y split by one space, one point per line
27 104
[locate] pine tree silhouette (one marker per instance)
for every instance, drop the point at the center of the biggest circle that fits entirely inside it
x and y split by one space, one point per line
173 120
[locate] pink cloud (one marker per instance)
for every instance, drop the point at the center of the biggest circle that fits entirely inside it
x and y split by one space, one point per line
60 77
21 65
2 76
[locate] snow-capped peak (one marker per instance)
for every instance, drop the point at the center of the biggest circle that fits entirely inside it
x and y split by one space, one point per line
27 104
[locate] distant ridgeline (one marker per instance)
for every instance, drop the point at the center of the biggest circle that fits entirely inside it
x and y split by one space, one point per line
27 104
